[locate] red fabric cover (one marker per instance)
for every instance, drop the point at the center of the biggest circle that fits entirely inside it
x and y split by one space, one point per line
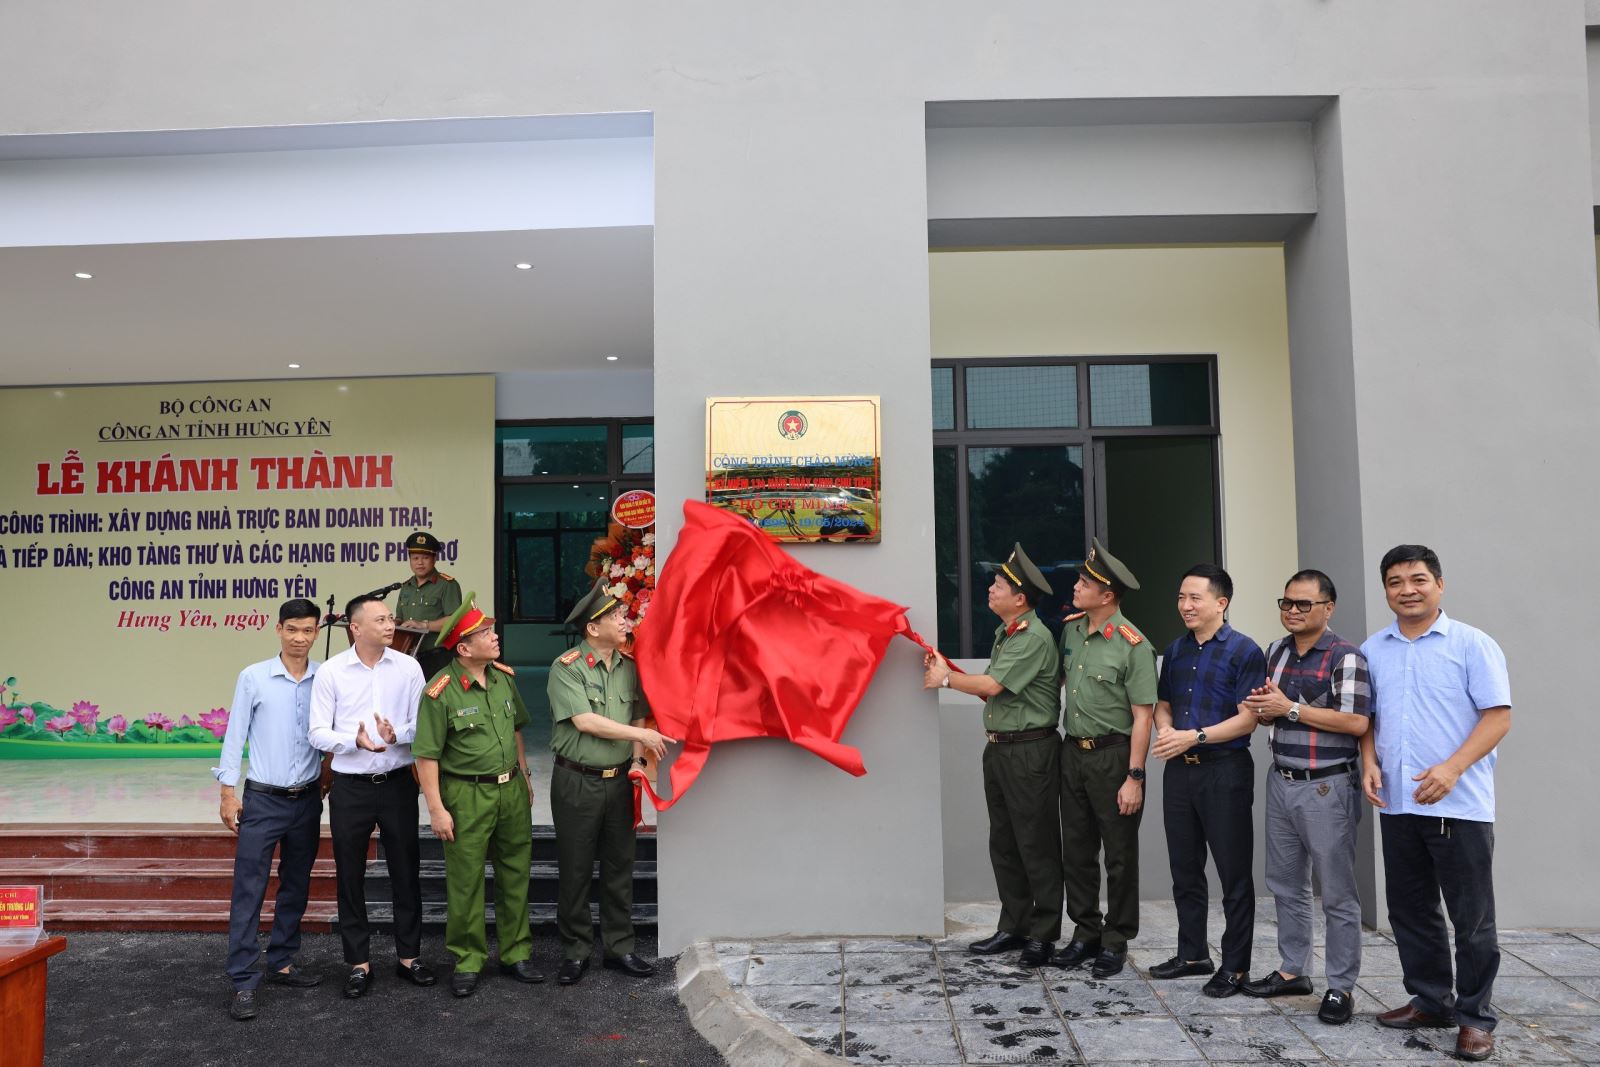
743 641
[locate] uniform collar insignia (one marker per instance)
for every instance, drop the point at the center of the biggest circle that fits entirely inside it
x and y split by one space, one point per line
590 660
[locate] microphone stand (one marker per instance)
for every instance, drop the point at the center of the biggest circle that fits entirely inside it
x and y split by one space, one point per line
327 644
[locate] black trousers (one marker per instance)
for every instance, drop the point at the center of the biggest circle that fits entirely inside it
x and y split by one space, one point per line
1424 858
1090 823
1207 806
1022 787
355 807
292 828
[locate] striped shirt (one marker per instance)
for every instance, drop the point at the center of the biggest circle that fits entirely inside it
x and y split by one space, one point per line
1332 674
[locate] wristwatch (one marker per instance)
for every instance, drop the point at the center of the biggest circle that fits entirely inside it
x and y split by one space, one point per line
1294 713
640 761
945 683
1136 773
1199 737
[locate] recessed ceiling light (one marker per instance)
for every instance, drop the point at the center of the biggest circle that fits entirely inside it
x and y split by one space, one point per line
84 275
612 359
524 266
294 366
344 388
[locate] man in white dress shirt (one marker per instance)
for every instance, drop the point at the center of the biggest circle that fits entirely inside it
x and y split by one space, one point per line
364 711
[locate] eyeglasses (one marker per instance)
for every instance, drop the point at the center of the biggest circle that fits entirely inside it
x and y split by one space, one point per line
1302 606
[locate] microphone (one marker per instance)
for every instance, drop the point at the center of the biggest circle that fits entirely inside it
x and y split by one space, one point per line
386 590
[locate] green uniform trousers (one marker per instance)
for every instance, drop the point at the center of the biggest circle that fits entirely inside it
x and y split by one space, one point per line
491 821
1022 785
594 821
1089 821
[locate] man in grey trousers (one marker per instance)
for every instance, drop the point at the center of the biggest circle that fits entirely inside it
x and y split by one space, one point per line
1318 700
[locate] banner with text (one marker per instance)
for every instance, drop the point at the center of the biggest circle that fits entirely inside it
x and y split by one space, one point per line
149 534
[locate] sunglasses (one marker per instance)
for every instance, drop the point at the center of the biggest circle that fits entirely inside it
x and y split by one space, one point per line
1302 606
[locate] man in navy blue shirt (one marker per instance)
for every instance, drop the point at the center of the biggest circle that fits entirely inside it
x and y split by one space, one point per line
1203 732
281 809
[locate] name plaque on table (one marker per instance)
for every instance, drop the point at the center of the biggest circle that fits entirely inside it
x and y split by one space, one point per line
801 468
21 915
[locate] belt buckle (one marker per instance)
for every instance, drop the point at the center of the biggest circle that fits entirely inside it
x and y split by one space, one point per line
502 779
380 777
609 772
1086 743
1190 757
296 791
992 736
1288 775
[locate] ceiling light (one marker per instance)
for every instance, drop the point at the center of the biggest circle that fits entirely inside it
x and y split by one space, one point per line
524 266
612 359
294 366
575 487
84 275
344 388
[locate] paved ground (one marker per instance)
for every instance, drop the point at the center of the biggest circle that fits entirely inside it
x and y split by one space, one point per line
932 1002
161 999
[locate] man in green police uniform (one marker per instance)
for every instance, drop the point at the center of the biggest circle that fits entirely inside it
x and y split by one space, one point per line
474 775
1021 762
599 711
1109 675
427 599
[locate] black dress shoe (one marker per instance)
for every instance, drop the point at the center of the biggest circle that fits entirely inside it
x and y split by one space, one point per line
522 971
571 971
463 983
1336 1007
1109 962
1177 967
416 972
294 977
1276 985
1223 984
1035 953
244 1004
628 964
1076 954
996 943
356 982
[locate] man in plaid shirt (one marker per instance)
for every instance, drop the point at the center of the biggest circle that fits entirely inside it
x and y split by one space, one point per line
1318 700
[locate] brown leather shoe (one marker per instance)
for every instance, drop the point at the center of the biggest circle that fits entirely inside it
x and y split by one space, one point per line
1409 1018
1474 1044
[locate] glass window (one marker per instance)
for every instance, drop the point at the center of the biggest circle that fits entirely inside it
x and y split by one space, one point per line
1150 394
1008 397
529 451
944 398
639 449
548 530
946 552
1031 494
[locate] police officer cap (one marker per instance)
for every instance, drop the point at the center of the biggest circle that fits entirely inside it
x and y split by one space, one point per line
593 604
1020 572
422 541
1108 570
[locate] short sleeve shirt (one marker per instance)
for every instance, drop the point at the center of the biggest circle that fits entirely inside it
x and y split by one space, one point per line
580 681
436 598
1205 684
1333 675
1430 693
470 728
1104 673
1025 663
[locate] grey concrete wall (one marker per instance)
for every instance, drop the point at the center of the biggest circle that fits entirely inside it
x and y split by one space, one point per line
791 242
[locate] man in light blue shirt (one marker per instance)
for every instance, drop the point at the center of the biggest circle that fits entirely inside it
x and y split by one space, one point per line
282 806
1442 704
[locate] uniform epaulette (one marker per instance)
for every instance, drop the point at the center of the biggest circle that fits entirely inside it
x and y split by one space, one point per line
1075 615
570 656
626 653
439 685
502 667
1133 636
445 576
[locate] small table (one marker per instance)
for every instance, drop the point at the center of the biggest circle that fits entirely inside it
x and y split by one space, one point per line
22 982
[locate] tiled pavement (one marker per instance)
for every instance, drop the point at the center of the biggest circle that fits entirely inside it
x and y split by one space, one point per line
931 1002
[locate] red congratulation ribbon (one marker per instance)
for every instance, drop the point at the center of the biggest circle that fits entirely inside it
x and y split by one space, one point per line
742 641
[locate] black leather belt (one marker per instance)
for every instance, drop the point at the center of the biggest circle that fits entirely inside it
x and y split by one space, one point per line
374 779
485 779
293 792
1089 744
998 738
1295 775
1212 756
593 772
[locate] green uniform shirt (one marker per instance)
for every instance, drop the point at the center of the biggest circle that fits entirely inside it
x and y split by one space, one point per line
469 728
1026 664
436 598
1104 676
580 681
